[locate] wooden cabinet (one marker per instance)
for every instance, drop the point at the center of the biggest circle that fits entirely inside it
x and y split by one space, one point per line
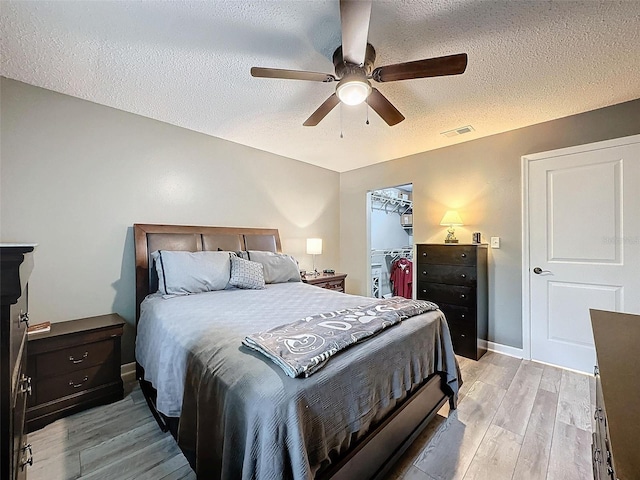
16 264
455 277
74 366
330 281
615 451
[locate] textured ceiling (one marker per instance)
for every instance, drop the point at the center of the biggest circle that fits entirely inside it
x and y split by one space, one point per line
187 63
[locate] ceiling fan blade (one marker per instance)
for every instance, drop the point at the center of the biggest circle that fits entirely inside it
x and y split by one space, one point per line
384 108
429 67
291 74
322 111
354 17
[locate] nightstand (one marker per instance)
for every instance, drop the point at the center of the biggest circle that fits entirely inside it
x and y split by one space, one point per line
74 366
333 281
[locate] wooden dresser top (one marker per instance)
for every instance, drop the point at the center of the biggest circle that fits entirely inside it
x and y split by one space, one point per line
617 336
80 325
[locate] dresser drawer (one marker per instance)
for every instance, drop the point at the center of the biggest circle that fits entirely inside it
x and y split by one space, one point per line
449 274
465 342
57 387
74 358
447 255
460 317
452 294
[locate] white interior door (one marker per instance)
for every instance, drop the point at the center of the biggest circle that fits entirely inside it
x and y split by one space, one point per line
584 245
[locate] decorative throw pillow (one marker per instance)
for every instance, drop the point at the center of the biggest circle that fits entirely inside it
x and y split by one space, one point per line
278 267
246 274
181 273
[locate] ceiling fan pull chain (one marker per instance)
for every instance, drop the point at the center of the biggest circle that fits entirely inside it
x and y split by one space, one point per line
367 102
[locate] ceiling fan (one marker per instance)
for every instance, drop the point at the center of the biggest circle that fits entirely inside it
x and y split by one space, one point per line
354 61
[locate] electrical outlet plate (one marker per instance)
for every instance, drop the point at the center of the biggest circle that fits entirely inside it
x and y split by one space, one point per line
495 242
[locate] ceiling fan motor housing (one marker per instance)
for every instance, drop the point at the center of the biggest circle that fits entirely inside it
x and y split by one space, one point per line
344 68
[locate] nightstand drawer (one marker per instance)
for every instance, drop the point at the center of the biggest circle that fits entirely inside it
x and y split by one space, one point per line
441 293
57 387
74 358
448 274
447 255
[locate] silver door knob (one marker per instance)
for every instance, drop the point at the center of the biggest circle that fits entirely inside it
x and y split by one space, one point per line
537 270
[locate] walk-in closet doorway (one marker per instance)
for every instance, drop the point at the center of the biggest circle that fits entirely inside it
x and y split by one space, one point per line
390 227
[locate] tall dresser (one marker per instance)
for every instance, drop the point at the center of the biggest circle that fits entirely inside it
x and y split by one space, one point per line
455 277
16 263
615 450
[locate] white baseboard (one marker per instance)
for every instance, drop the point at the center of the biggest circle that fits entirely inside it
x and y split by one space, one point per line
505 349
128 372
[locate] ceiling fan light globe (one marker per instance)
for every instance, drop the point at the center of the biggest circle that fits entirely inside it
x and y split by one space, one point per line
353 92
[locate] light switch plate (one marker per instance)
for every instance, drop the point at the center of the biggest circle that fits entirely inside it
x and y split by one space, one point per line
495 242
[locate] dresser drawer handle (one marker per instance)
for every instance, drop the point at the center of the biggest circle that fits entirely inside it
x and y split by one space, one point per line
24 318
464 275
78 385
25 385
464 255
424 272
462 295
462 315
29 461
73 360
598 414
424 254
424 291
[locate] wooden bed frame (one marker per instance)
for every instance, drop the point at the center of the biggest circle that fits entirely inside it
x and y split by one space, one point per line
374 455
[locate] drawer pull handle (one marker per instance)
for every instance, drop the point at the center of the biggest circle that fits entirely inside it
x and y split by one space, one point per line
462 295
462 335
424 272
24 318
29 461
25 384
464 255
424 254
464 275
73 360
424 291
462 316
78 385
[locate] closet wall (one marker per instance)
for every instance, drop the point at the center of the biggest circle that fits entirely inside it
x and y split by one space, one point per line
391 234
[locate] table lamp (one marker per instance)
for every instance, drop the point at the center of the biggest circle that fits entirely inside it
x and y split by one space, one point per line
314 247
451 219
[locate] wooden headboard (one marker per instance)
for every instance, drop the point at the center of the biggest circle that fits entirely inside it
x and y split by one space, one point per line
149 238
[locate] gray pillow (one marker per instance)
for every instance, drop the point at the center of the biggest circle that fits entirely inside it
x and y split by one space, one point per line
278 268
246 274
180 273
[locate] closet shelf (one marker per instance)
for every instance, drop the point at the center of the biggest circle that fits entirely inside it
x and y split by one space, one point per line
390 204
395 253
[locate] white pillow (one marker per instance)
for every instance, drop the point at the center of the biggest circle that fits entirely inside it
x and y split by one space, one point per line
246 274
278 267
181 273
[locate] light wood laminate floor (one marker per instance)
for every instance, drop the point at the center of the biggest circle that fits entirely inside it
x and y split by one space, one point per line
515 420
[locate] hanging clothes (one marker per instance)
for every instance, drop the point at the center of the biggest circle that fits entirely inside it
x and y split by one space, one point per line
402 277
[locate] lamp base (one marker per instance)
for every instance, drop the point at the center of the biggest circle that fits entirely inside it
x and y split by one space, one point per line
455 240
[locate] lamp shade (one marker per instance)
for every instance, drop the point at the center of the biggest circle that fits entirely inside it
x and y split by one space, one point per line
314 246
451 218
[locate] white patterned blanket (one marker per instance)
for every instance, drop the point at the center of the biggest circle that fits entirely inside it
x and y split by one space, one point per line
302 347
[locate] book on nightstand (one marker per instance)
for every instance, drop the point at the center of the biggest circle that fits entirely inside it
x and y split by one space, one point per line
39 328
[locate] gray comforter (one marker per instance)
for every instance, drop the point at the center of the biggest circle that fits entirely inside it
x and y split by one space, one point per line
242 415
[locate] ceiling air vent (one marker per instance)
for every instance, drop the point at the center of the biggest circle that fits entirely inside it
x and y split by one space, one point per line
458 131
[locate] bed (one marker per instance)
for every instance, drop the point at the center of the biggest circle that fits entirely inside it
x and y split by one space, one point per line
235 414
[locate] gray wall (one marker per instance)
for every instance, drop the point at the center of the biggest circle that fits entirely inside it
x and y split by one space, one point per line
482 180
75 176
